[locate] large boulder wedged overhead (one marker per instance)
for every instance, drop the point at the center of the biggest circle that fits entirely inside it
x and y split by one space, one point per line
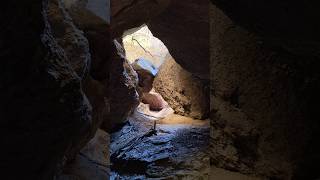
184 28
130 14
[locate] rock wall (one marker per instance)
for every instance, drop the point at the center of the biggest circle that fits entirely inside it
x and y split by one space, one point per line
56 83
113 83
167 20
45 114
262 101
184 28
289 25
122 92
130 14
186 94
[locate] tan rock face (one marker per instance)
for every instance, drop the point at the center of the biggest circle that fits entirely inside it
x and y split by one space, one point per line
183 92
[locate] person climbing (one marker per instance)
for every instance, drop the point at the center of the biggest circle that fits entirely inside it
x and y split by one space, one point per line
146 74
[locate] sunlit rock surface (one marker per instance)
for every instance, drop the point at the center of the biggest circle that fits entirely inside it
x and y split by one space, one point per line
140 43
185 93
154 115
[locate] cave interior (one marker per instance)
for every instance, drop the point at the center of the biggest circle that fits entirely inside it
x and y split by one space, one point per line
159 89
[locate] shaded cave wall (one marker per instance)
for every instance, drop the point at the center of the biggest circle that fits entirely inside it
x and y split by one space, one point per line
263 94
264 81
45 114
56 82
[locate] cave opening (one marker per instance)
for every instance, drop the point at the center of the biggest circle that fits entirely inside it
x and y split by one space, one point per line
167 134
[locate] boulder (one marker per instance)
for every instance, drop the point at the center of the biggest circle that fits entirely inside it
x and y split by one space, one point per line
155 101
184 92
184 28
130 14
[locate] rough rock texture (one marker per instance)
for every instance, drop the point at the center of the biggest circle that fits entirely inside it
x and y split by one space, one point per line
113 83
184 28
97 30
73 43
184 92
290 25
177 151
89 13
262 104
92 163
127 14
44 111
189 46
123 96
222 174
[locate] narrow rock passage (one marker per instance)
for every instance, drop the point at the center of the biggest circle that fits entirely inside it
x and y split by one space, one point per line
177 150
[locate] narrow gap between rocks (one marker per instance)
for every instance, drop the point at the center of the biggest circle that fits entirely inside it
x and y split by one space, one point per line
165 137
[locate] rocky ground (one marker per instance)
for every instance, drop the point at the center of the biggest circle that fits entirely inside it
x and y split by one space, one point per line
177 149
92 162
